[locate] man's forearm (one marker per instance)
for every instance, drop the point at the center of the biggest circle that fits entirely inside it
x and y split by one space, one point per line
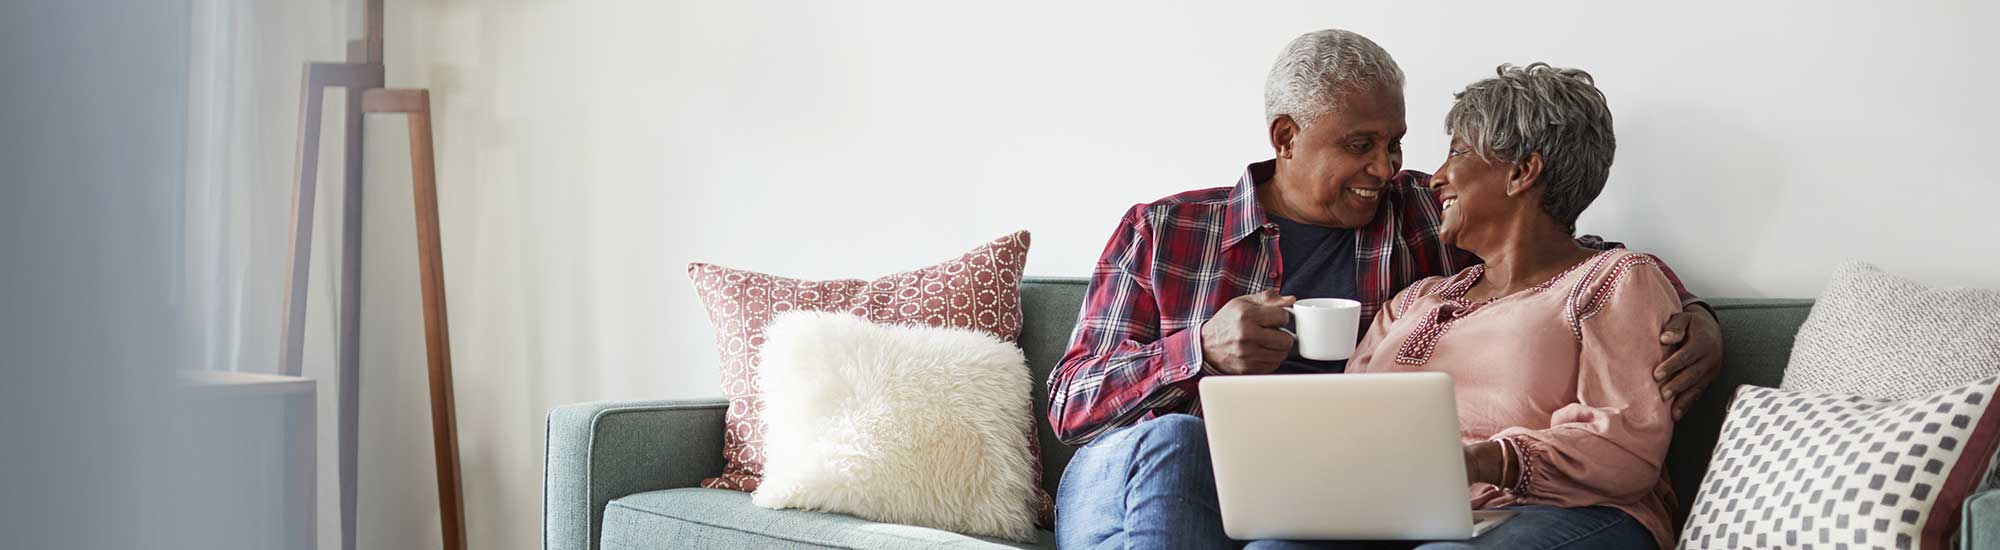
1092 394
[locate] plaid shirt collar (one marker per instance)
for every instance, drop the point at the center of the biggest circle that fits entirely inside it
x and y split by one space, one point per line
1242 215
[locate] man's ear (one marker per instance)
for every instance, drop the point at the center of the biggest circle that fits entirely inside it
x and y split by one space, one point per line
1526 175
1283 131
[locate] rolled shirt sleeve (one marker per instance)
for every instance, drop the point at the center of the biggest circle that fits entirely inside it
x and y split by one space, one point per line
1118 366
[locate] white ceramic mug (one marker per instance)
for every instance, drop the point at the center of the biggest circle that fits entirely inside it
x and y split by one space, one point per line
1326 327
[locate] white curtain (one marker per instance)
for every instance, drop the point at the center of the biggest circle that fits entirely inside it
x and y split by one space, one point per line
246 58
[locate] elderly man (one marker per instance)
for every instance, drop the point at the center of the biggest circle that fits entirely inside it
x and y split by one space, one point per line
1194 285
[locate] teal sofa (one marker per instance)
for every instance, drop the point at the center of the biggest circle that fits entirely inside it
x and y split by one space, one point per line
624 475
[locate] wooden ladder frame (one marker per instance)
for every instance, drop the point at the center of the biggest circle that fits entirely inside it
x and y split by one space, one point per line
362 77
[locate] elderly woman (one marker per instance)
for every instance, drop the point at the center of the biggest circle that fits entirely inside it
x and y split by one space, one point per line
1550 344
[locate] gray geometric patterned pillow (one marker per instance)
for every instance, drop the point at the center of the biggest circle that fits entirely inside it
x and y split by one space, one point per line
1879 335
1815 470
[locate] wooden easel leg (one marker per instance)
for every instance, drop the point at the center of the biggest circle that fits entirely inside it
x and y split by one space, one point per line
430 266
355 77
348 357
299 262
437 335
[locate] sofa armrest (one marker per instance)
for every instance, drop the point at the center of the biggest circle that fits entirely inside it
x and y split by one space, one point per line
1979 529
605 450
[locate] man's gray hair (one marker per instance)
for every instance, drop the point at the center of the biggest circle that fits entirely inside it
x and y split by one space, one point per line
1318 67
1542 109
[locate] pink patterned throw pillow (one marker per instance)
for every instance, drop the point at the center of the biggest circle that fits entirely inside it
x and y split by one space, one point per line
978 291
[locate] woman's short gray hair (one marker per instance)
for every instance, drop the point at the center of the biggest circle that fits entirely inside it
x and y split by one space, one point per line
1542 109
1316 68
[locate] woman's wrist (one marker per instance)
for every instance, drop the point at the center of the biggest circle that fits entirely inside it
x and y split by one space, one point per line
1485 462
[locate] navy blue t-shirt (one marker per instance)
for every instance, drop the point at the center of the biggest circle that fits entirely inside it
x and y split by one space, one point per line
1319 262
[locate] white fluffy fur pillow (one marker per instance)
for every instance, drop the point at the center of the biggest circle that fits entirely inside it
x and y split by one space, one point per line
903 424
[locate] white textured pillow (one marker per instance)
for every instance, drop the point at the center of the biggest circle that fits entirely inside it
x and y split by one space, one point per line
1879 335
904 424
1818 470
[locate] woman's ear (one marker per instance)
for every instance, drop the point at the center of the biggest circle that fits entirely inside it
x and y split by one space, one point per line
1283 131
1526 175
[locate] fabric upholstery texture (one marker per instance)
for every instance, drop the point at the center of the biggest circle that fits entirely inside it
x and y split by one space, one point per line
1880 335
1980 527
979 290
914 425
1756 339
1883 336
1803 469
653 445
604 450
711 518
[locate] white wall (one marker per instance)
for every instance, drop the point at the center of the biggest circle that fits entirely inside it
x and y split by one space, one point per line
589 149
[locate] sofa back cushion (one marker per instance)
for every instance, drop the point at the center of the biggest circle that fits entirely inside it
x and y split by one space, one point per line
1756 344
1049 307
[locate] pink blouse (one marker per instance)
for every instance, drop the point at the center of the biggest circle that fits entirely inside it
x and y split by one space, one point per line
1563 371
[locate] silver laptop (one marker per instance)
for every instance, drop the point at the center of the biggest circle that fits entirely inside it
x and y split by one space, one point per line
1339 457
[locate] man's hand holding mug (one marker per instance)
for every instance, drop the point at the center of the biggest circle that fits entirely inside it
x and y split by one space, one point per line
1248 335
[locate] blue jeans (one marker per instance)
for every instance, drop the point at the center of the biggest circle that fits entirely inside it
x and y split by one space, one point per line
1146 486
1533 528
1151 486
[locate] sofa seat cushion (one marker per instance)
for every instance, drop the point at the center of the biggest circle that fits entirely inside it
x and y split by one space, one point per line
715 518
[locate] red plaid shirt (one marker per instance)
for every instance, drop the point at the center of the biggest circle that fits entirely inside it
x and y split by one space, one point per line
1136 350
